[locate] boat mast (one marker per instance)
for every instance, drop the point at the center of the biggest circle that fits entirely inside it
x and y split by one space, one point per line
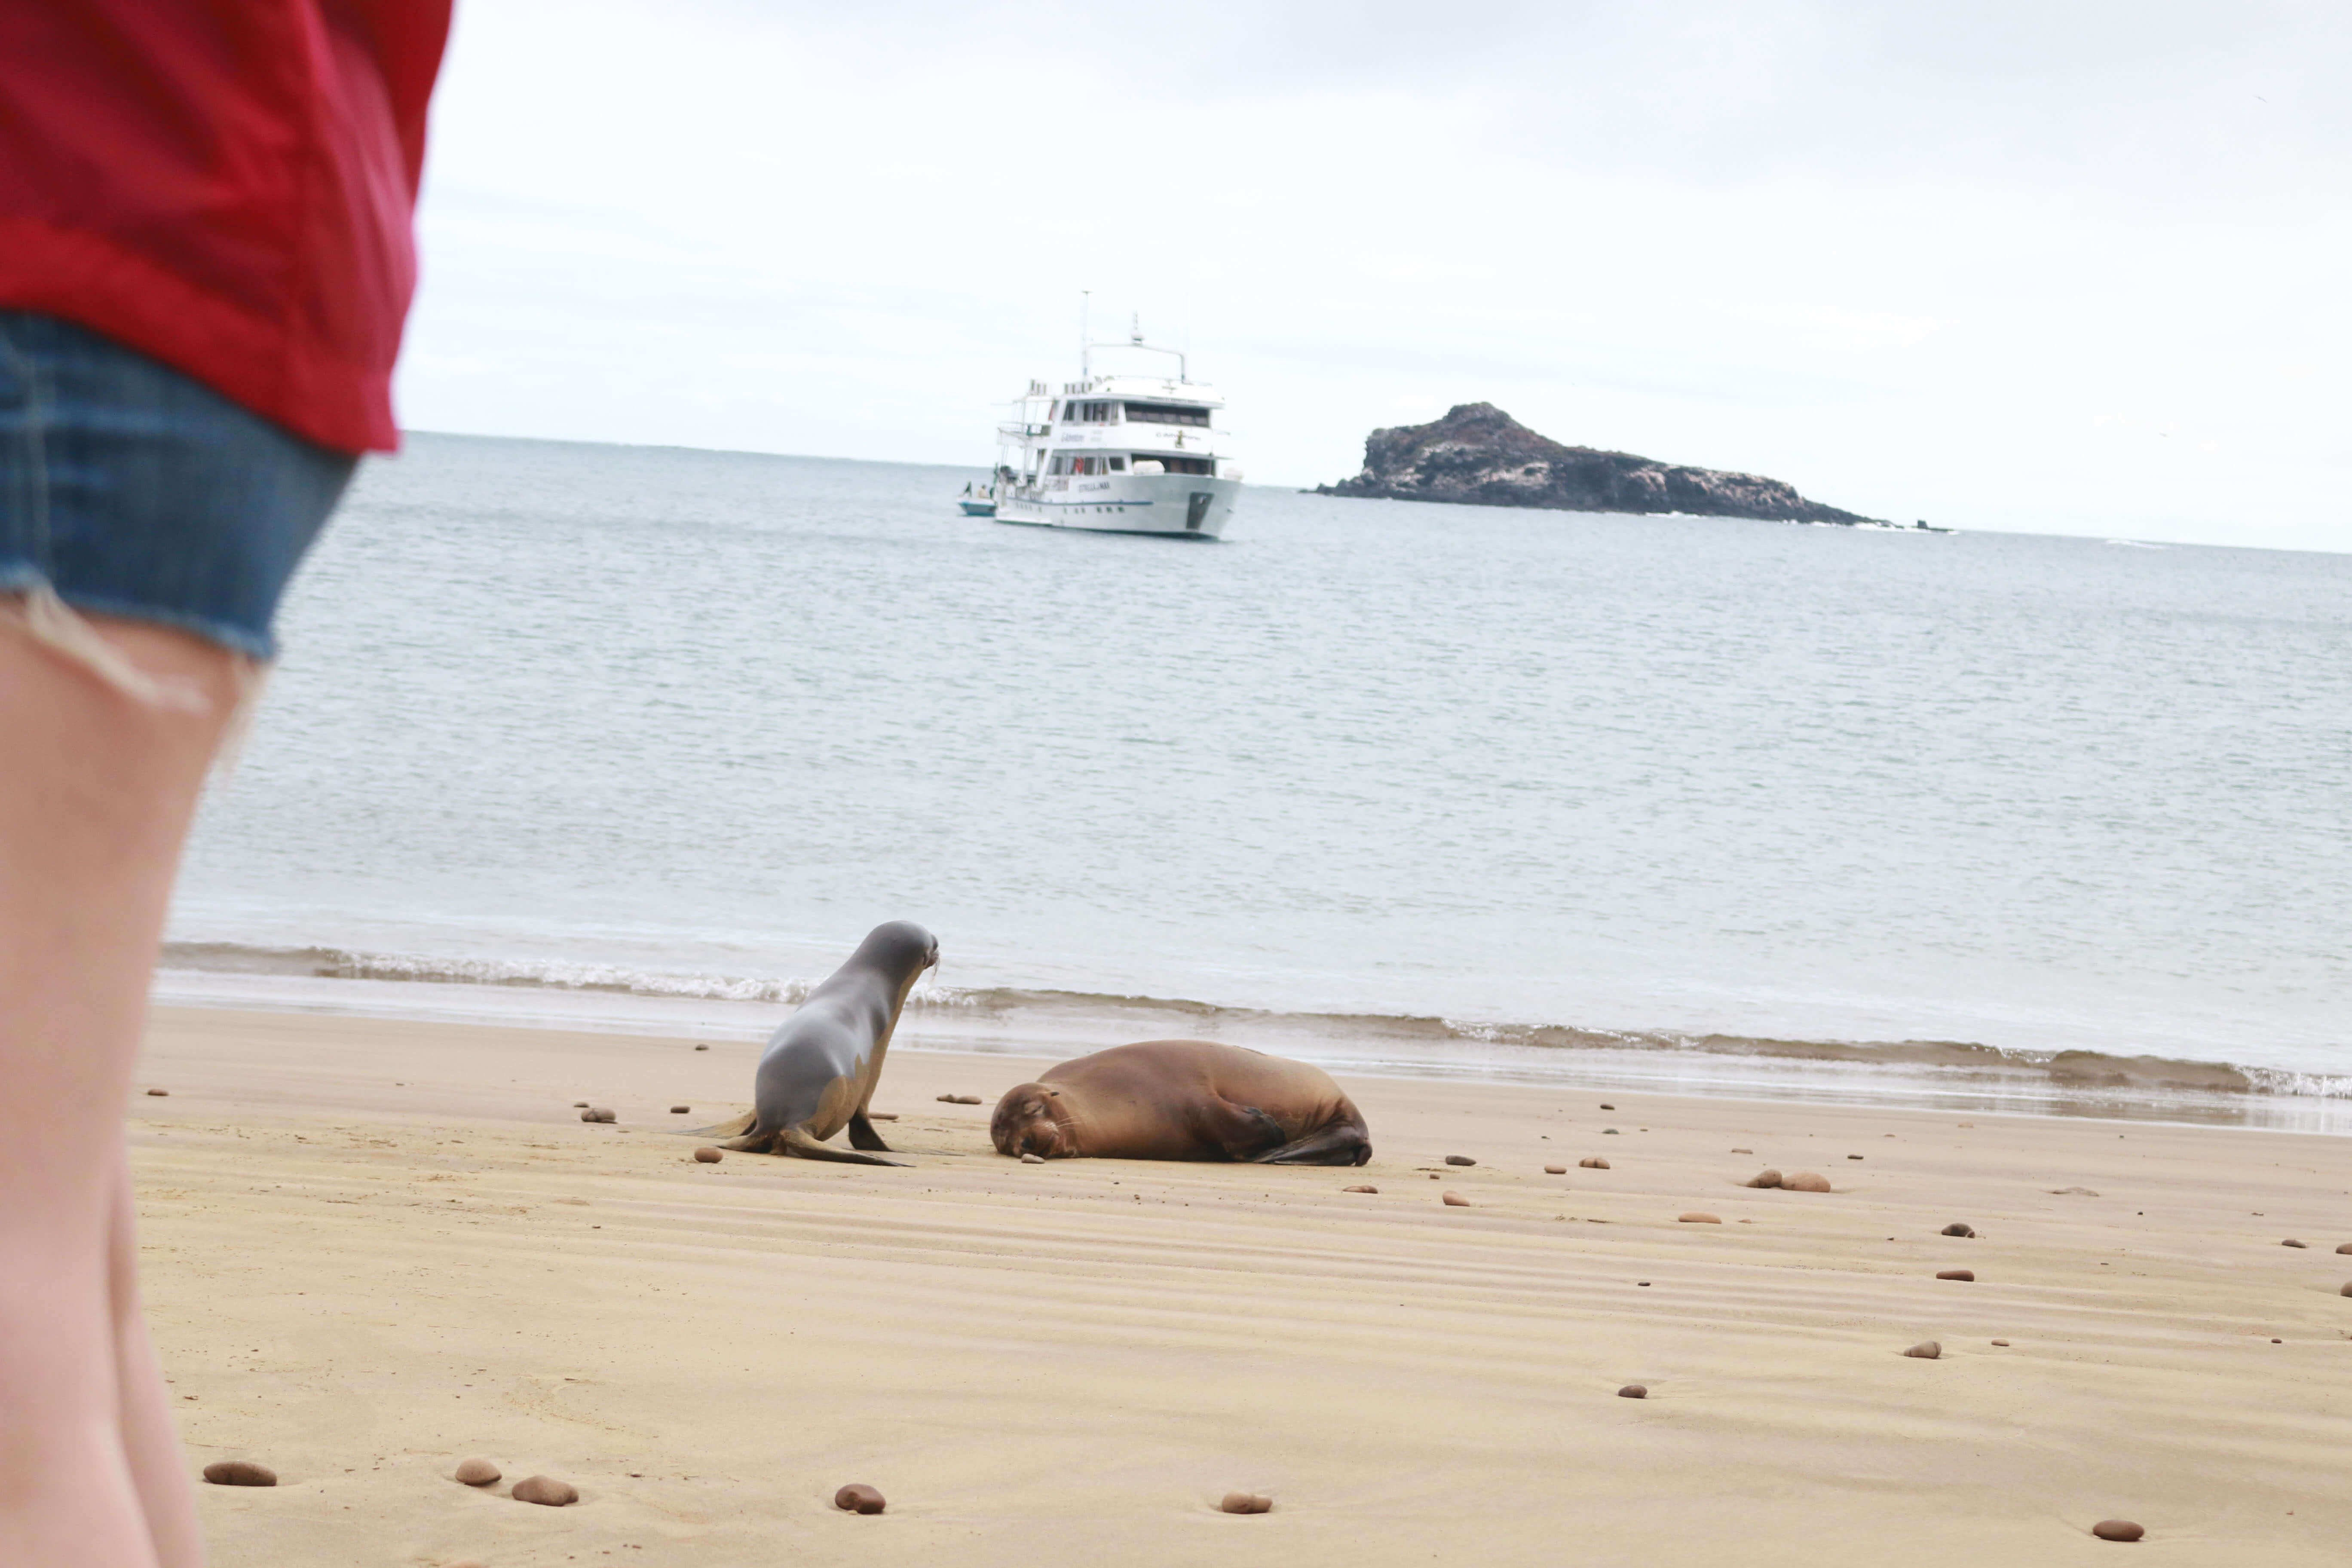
1086 303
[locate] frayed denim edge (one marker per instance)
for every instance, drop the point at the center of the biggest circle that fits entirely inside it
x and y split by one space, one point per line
28 599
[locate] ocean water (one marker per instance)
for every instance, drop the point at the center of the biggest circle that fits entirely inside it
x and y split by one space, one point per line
597 730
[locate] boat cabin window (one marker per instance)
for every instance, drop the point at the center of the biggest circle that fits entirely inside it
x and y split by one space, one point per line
1172 464
1118 465
1085 463
1165 414
1089 413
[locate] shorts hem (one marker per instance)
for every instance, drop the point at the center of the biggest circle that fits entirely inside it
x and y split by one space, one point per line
236 639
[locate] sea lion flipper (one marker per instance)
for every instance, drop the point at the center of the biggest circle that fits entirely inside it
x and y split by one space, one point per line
734 1127
863 1136
1242 1132
1341 1143
792 1141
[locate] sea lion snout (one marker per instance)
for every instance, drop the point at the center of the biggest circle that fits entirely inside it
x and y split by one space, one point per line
1023 1123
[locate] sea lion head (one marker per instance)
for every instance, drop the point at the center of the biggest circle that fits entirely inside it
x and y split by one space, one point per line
1032 1119
900 947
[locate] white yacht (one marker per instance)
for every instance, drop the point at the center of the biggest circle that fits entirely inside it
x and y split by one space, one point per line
1115 454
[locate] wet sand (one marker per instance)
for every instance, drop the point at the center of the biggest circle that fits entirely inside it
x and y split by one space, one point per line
376 1247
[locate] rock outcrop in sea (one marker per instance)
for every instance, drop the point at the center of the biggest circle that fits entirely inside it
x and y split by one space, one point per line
1480 456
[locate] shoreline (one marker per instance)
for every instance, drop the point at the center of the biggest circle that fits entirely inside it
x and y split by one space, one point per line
376 1247
1923 1075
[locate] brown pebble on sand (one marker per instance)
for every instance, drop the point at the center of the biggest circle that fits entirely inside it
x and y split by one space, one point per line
2345 1291
1805 1182
161 1093
959 1100
596 1114
239 1473
680 1109
1245 1502
2117 1529
2073 1192
1460 1159
476 1472
1956 1228
1607 1106
1456 1201
1966 1276
857 1497
1765 1179
1360 1189
1926 1349
1633 1391
881 1116
2291 1243
709 1156
702 1047
1610 1133
1743 1151
579 1105
1694 1217
1595 1162
2003 1343
1554 1170
546 1491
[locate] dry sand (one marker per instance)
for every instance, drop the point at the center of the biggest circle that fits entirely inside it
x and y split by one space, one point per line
374 1248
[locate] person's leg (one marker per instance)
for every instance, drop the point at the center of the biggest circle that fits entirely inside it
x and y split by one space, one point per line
96 790
151 1438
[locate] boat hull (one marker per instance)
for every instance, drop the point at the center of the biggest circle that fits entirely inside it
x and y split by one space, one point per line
1187 506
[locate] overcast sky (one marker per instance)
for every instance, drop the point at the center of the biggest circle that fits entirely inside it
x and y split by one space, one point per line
2057 267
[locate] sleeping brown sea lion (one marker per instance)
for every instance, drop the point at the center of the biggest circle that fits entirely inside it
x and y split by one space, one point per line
1183 1099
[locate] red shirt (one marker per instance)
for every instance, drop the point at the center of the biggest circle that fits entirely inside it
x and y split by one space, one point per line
226 186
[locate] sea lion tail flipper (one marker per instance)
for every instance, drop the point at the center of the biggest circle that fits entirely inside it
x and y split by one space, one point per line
1341 1143
792 1141
734 1128
1243 1131
863 1136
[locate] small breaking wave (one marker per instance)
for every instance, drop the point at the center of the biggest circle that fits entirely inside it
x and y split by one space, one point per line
2066 1069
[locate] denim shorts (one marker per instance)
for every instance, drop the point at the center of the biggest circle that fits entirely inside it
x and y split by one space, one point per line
131 489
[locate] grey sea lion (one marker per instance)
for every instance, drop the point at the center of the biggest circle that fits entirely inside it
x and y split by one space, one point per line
822 1064
1183 1099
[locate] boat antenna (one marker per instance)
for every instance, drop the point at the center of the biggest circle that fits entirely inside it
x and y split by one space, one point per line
1086 304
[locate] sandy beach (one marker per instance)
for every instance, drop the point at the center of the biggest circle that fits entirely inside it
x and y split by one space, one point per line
373 1248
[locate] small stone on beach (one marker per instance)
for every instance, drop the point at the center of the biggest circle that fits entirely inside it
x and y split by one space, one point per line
1360 1189
579 1105
1610 1133
1926 1349
2346 1248
1743 1151
2073 1192
1805 1182
1455 1200
1595 1162
702 1047
1956 1228
2345 1291
709 1156
546 1491
476 1472
1966 1276
680 1109
2117 1529
2295 1244
1027 1158
239 1473
1460 1159
959 1100
1608 1107
1694 1217
858 1498
1245 1502
596 1114
1765 1179
1554 1170
2003 1343
161 1093
1633 1391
